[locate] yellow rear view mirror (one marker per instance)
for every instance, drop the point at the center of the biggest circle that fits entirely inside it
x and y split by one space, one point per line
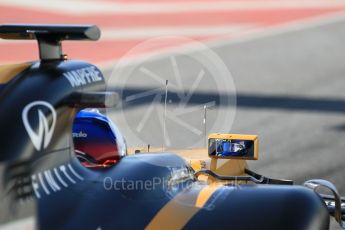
233 146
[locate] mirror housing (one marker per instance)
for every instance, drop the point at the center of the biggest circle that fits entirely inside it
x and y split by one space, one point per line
233 146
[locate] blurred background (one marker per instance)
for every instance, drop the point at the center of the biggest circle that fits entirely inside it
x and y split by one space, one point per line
286 60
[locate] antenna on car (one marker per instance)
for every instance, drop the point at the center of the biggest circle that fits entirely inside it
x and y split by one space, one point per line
165 113
49 37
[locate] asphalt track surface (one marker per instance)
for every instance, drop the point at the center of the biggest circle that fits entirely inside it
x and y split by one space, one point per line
291 92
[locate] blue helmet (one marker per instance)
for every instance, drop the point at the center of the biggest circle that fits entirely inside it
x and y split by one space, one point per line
97 141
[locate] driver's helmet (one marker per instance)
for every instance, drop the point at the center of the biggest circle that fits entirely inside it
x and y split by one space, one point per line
97 141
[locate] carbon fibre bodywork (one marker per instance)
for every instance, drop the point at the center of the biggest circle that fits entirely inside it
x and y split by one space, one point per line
106 199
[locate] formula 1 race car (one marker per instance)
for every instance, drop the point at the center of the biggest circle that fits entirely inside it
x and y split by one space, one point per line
46 185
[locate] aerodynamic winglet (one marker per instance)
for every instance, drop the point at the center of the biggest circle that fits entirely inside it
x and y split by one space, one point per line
49 37
59 32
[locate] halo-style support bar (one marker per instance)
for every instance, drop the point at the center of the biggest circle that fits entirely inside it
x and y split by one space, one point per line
337 209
